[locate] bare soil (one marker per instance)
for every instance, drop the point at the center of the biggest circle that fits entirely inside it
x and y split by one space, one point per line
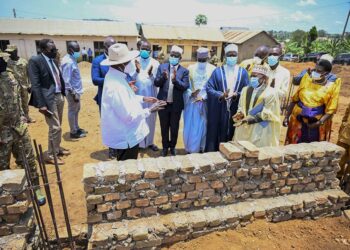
322 234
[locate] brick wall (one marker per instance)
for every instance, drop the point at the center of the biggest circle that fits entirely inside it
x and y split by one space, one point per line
16 217
239 172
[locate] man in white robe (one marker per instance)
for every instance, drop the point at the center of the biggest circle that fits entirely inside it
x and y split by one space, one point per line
258 117
195 111
146 70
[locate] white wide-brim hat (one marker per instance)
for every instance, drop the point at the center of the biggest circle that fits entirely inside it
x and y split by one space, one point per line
119 53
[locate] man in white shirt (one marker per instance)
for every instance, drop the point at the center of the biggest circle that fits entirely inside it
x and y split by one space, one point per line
279 76
84 54
123 119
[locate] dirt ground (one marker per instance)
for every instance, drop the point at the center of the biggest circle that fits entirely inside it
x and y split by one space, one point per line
323 234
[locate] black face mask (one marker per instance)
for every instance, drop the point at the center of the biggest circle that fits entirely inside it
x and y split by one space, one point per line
51 55
3 65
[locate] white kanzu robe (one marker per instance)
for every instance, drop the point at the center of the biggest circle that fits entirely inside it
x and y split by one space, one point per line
195 114
145 85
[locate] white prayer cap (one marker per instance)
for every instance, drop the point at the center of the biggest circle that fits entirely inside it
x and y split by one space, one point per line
260 69
202 52
176 49
327 57
231 47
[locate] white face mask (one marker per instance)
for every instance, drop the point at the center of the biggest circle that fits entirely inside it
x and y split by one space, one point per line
202 65
257 60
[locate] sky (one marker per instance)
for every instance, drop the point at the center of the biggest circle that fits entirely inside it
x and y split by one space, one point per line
287 15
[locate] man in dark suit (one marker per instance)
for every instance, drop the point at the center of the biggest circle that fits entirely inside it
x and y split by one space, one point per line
172 80
98 71
48 91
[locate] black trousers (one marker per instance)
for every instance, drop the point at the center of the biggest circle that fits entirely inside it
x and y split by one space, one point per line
126 154
169 122
84 57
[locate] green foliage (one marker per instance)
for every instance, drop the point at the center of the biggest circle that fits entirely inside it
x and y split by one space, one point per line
313 34
201 20
293 47
299 37
333 46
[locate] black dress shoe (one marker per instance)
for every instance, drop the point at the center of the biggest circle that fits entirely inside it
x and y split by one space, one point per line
82 131
164 152
77 135
173 151
153 147
112 154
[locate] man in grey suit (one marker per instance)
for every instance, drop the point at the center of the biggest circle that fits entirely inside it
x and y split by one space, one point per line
48 91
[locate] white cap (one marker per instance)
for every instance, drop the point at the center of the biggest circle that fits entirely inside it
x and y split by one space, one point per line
261 69
202 52
176 49
231 47
327 57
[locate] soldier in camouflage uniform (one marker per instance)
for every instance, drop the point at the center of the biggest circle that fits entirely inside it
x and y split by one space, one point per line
19 67
214 60
13 131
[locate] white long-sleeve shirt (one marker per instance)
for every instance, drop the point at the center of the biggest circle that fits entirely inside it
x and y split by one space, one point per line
282 79
123 122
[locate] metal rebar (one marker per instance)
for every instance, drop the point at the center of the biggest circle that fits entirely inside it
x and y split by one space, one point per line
49 198
63 200
36 206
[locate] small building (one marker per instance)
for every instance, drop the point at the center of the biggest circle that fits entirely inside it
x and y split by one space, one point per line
26 34
189 38
248 41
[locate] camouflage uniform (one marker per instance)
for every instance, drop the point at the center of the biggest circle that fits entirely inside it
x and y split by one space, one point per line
214 60
13 131
20 71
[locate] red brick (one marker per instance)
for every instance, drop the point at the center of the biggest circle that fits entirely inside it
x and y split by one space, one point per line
151 175
192 195
215 199
133 213
102 208
150 210
142 186
185 204
187 187
112 197
142 202
201 186
115 215
123 204
194 179
285 190
159 183
152 193
208 193
161 200
178 197
217 184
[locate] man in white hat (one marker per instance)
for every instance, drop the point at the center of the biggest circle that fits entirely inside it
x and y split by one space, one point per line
172 80
123 119
195 112
259 58
258 115
224 90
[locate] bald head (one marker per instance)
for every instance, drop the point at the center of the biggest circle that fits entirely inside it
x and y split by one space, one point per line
108 42
262 51
145 45
72 47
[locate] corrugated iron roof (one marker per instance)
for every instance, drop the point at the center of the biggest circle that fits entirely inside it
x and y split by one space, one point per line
182 33
240 36
67 27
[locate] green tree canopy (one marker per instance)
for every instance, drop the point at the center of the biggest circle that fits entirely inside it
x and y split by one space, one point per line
201 20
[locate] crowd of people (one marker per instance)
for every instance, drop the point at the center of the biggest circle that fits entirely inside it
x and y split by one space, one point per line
218 102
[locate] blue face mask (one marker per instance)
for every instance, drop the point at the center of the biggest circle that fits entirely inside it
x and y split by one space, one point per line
202 65
144 54
316 76
272 60
174 60
254 82
76 55
231 61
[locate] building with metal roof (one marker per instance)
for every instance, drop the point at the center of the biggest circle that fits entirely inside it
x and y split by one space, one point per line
248 41
26 34
189 38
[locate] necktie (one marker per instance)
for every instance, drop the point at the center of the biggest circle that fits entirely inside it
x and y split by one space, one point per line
55 74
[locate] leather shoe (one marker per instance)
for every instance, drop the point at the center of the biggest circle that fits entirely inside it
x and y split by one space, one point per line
173 151
82 131
63 152
52 161
154 147
164 152
112 154
77 135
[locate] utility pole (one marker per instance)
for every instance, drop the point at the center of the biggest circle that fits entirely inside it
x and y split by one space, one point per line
346 24
14 13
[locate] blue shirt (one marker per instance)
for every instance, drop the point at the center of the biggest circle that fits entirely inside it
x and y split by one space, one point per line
71 74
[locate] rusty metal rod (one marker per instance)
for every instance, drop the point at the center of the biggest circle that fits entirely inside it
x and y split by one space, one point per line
63 200
49 198
36 206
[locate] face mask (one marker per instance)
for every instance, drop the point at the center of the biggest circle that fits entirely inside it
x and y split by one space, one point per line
76 55
257 60
144 54
231 60
174 60
272 60
202 65
254 82
315 76
51 55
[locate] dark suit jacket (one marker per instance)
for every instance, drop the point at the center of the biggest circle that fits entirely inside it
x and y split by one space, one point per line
98 73
181 83
43 83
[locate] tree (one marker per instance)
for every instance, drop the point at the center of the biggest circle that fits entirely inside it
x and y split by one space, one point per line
322 33
299 37
313 34
201 19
